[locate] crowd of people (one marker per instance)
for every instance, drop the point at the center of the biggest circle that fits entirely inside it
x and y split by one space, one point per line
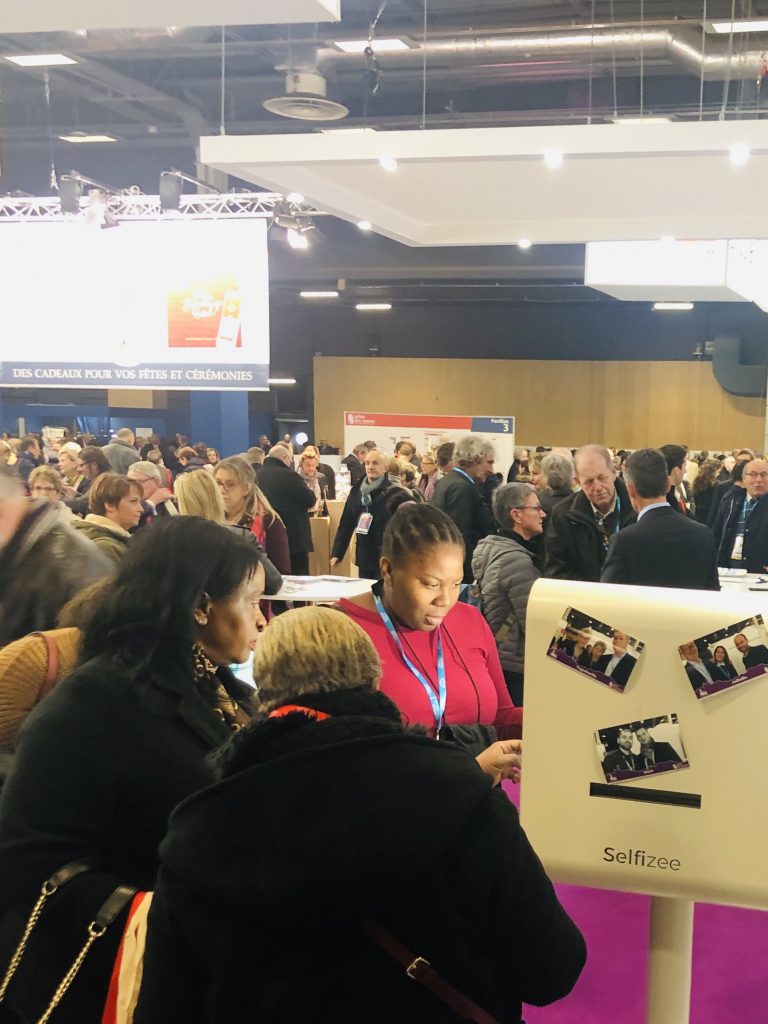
133 581
132 591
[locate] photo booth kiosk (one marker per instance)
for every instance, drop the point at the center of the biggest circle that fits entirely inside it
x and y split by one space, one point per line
684 826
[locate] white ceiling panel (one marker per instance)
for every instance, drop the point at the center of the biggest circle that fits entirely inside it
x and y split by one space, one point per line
492 187
53 16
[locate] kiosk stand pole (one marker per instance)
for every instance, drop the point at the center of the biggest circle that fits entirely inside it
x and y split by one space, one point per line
669 962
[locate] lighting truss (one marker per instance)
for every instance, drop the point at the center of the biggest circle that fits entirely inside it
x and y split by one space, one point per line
227 206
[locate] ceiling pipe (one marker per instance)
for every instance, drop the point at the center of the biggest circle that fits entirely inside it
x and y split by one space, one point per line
679 47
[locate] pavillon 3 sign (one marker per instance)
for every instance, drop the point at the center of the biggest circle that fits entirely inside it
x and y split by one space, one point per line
174 304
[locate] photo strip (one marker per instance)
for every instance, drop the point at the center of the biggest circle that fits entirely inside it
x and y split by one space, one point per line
593 648
636 750
727 657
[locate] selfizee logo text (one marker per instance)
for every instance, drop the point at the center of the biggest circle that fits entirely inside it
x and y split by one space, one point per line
640 859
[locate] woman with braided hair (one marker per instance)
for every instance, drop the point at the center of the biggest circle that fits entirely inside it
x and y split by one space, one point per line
439 660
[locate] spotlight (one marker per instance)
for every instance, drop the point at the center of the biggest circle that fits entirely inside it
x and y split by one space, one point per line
171 187
296 239
524 243
295 197
388 163
364 225
553 158
70 190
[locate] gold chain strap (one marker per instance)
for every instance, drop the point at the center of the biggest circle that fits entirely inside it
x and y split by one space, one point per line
48 890
95 931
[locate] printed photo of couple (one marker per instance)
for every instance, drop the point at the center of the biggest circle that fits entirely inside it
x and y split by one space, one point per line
727 657
595 649
638 749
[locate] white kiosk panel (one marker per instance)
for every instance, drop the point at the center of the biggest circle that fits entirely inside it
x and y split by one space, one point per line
655 824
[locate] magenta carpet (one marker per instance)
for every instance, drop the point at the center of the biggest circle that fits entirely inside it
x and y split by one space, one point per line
730 961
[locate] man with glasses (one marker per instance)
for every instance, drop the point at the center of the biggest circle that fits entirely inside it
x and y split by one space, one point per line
581 527
663 548
741 527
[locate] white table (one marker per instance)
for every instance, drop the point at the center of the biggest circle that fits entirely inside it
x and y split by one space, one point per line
734 580
320 589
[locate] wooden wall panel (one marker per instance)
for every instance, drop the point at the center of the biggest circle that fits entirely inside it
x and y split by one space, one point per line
624 404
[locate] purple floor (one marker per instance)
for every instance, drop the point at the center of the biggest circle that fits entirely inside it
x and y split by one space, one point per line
730 961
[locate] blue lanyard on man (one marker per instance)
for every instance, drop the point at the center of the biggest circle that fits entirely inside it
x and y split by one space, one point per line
437 700
457 470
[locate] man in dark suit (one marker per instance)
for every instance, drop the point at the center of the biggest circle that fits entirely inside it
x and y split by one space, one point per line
618 666
292 500
751 654
679 495
663 548
622 759
365 515
654 751
354 463
741 525
458 494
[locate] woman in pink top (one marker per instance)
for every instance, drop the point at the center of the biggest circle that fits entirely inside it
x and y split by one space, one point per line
439 660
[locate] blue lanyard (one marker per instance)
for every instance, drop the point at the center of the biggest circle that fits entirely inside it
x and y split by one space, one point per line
457 470
437 700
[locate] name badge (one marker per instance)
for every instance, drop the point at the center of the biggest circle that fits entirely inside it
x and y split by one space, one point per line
364 523
738 547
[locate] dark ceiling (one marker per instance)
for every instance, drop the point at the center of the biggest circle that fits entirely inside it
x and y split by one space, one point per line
479 62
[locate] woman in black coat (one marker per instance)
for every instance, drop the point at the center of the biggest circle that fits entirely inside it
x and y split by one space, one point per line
103 760
331 815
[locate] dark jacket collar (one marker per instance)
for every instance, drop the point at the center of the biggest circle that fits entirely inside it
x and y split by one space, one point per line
581 507
272 461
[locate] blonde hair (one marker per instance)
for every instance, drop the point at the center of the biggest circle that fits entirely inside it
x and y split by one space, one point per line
199 495
256 502
313 650
47 473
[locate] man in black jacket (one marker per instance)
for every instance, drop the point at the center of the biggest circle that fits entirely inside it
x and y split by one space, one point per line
458 494
365 514
355 464
292 500
663 548
654 751
679 494
751 654
580 528
741 526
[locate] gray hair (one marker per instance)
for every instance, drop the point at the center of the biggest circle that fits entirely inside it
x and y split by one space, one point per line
507 497
558 470
472 448
594 449
148 469
70 446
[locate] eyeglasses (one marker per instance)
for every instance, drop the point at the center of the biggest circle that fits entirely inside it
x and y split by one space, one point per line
37 489
757 476
529 508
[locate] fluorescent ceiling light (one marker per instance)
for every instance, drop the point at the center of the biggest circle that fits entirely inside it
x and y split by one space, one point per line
642 120
524 243
669 306
388 163
319 295
40 60
282 380
78 137
295 197
374 307
348 131
553 158
364 225
377 45
739 153
741 25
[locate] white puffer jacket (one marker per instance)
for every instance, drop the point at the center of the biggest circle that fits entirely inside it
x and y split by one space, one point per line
505 571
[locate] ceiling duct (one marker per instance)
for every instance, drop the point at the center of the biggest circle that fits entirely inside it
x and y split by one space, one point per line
602 45
305 99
